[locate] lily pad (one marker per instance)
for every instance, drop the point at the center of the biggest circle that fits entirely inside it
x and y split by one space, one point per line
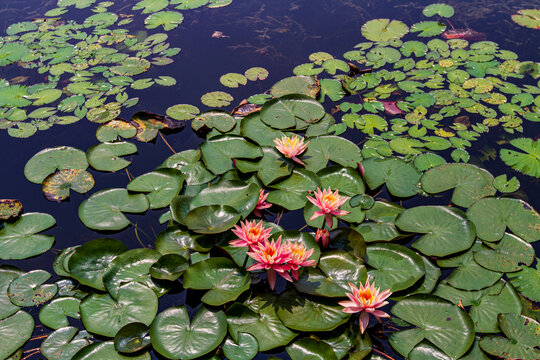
131 66
401 178
132 338
167 19
447 229
306 314
15 330
286 111
183 112
64 343
224 280
20 240
305 85
527 17
218 152
217 99
395 267
470 182
246 348
442 323
233 80
258 318
103 315
47 161
212 219
528 161
161 186
29 289
384 30
214 119
438 9
175 336
114 129
105 350
56 186
527 281
108 156
428 28
322 149
312 349
55 313
291 192
508 255
492 215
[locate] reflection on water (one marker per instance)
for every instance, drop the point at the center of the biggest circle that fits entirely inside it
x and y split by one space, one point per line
276 35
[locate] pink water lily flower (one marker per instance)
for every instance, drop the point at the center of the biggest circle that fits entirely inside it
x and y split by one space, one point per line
291 147
324 236
250 234
365 300
272 256
299 255
261 203
328 202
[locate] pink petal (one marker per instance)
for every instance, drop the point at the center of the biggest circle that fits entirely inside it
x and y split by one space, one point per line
316 214
379 313
364 321
271 275
329 220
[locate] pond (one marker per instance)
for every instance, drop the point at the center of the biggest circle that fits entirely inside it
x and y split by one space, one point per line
389 141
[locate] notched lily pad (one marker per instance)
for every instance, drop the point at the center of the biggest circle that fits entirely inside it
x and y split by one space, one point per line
56 186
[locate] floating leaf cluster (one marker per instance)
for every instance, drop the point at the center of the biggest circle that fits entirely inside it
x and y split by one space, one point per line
458 259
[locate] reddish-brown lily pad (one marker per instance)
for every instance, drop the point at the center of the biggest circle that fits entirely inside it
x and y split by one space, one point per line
56 186
10 209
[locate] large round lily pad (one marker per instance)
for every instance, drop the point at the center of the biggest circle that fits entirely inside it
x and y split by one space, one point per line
212 219
49 160
103 315
236 194
401 178
447 229
29 289
437 320
470 183
20 240
176 337
104 210
161 186
64 343
108 156
14 332
286 111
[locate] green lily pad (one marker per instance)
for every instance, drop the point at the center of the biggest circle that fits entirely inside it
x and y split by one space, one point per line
438 9
131 66
428 28
286 111
161 186
291 192
528 161
183 112
246 348
395 267
28 289
105 350
384 30
15 330
258 318
150 6
217 99
103 315
471 183
90 261
236 194
335 270
527 281
468 275
114 129
439 321
306 314
175 336
212 219
132 338
401 178
224 280
47 161
218 152
311 349
64 343
167 19
522 338
508 255
104 210
322 149
504 185
108 156
527 17
189 163
271 167
56 186
132 266
14 95
305 85
447 229
254 129
492 215
214 119
20 240
169 267
55 313
45 96
7 275
233 80
256 73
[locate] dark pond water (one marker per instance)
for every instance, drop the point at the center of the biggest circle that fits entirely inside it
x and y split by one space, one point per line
274 34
